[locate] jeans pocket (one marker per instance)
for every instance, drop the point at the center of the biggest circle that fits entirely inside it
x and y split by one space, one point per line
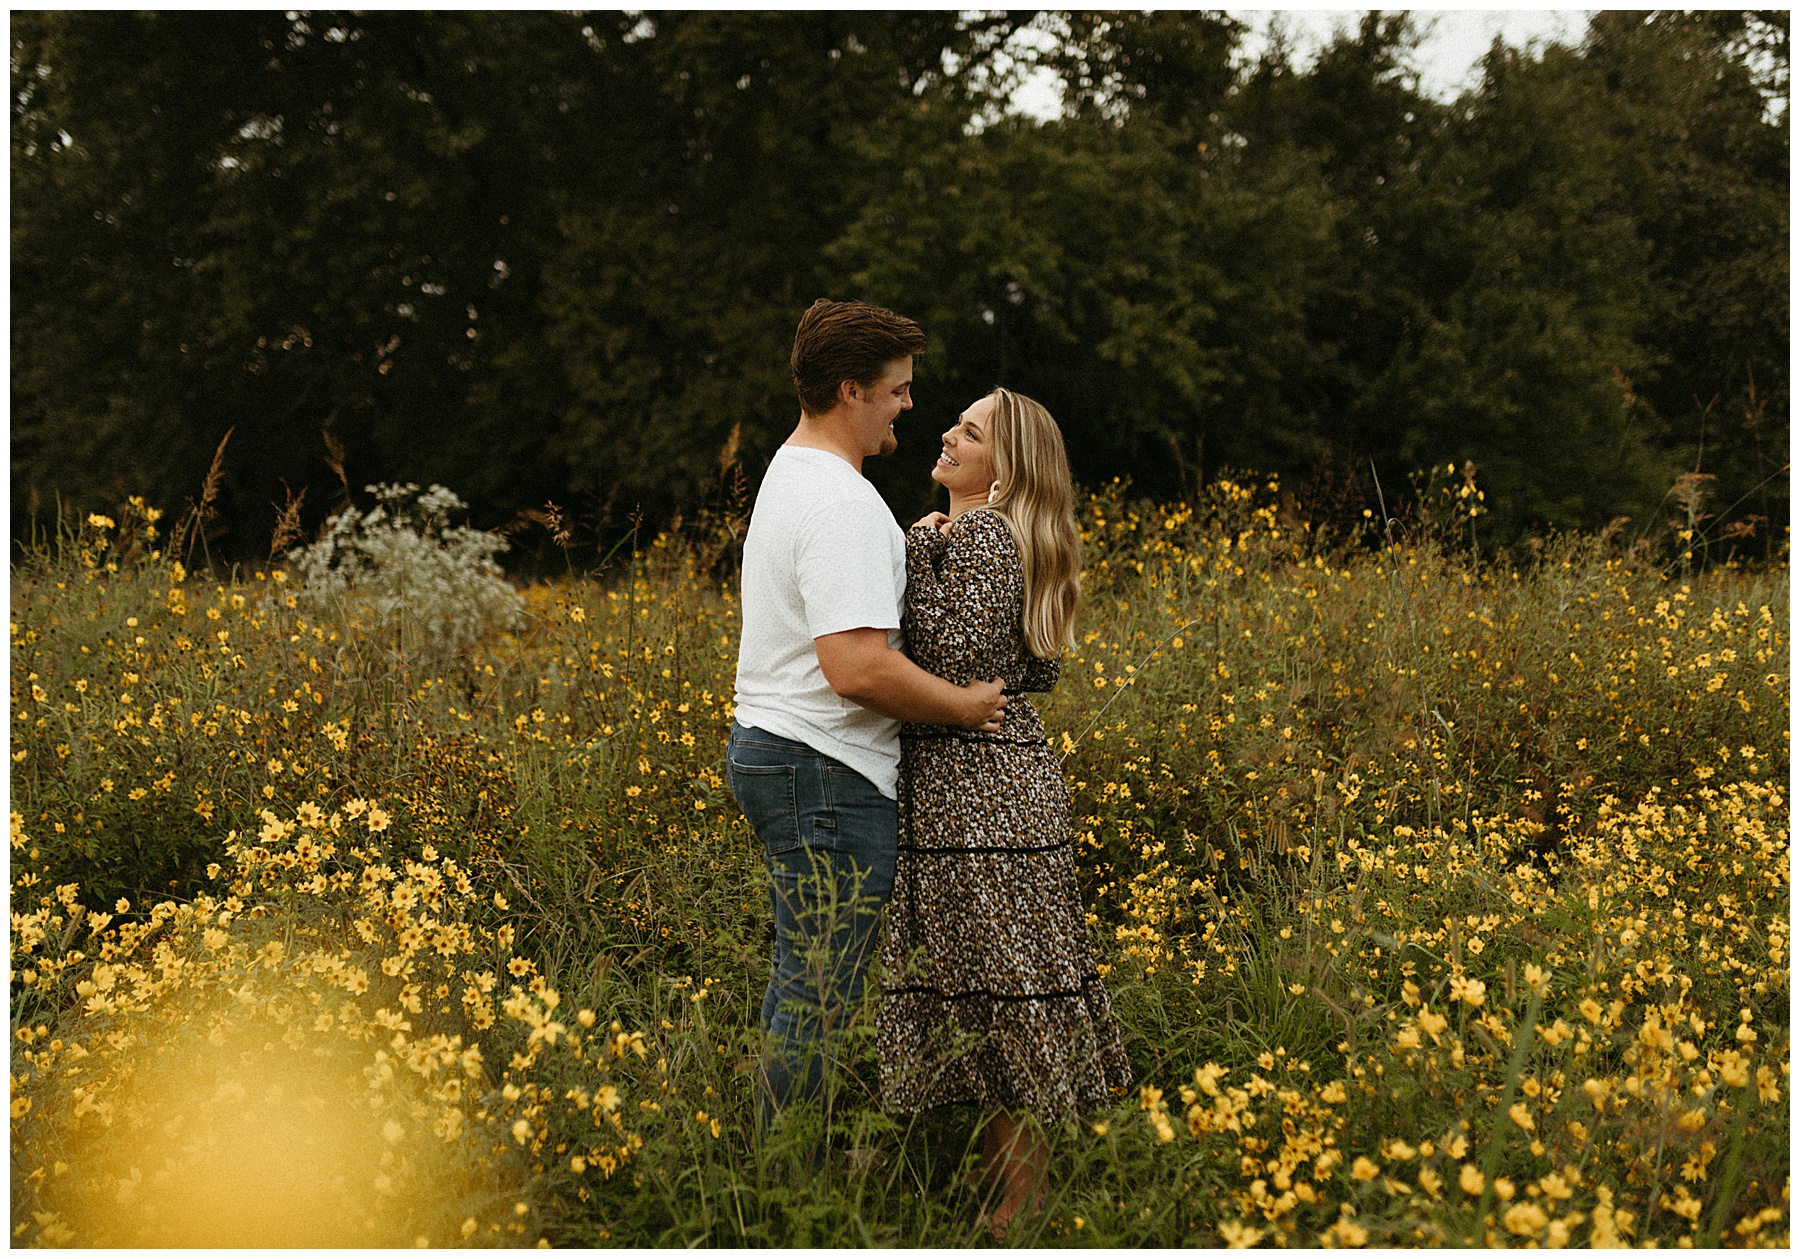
766 795
859 828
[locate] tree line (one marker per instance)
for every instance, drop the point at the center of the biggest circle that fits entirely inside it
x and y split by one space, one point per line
552 257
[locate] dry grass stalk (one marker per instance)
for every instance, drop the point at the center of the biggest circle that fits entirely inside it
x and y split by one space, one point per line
334 458
193 525
1689 492
209 489
728 453
287 522
552 518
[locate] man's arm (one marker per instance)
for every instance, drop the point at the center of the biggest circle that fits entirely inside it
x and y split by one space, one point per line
863 669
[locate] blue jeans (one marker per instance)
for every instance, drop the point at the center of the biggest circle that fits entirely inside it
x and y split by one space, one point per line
828 839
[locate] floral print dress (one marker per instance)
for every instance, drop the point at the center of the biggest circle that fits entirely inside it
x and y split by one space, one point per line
990 994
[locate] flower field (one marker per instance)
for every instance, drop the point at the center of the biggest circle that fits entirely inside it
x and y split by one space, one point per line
1439 902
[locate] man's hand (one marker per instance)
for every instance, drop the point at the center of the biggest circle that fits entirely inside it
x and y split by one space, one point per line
861 667
987 705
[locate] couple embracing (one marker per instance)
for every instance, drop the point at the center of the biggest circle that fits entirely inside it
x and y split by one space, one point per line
885 753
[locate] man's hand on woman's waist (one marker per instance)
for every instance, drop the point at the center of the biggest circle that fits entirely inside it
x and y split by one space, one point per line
862 668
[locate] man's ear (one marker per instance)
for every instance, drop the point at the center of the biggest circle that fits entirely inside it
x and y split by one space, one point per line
847 391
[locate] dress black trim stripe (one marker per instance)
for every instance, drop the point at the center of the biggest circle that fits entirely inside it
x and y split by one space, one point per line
939 849
971 736
906 990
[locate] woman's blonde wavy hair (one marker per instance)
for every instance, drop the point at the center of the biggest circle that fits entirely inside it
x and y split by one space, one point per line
1036 497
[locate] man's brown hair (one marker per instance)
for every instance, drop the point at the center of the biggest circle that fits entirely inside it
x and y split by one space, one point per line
839 341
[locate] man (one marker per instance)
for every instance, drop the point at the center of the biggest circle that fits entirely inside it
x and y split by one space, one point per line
822 686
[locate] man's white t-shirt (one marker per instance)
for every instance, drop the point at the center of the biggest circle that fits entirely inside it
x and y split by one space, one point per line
823 555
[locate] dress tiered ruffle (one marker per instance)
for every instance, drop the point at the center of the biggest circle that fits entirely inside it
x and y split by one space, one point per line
990 993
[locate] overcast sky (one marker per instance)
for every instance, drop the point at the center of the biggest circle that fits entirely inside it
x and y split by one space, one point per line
1454 42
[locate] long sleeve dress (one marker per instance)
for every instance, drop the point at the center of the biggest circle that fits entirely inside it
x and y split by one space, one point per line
990 993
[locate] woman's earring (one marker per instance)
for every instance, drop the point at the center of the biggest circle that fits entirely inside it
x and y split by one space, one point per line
994 492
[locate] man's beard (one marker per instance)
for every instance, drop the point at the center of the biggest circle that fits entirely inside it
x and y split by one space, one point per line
889 443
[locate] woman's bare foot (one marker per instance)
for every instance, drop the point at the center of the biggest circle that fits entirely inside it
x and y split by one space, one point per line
1016 1157
999 1221
983 1180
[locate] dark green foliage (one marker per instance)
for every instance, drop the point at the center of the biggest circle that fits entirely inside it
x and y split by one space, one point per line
550 256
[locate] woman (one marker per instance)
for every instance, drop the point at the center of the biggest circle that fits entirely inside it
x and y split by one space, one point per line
991 995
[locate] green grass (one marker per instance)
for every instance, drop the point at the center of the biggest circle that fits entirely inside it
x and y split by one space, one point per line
1332 786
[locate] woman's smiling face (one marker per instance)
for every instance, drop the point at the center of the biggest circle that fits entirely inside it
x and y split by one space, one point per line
966 466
